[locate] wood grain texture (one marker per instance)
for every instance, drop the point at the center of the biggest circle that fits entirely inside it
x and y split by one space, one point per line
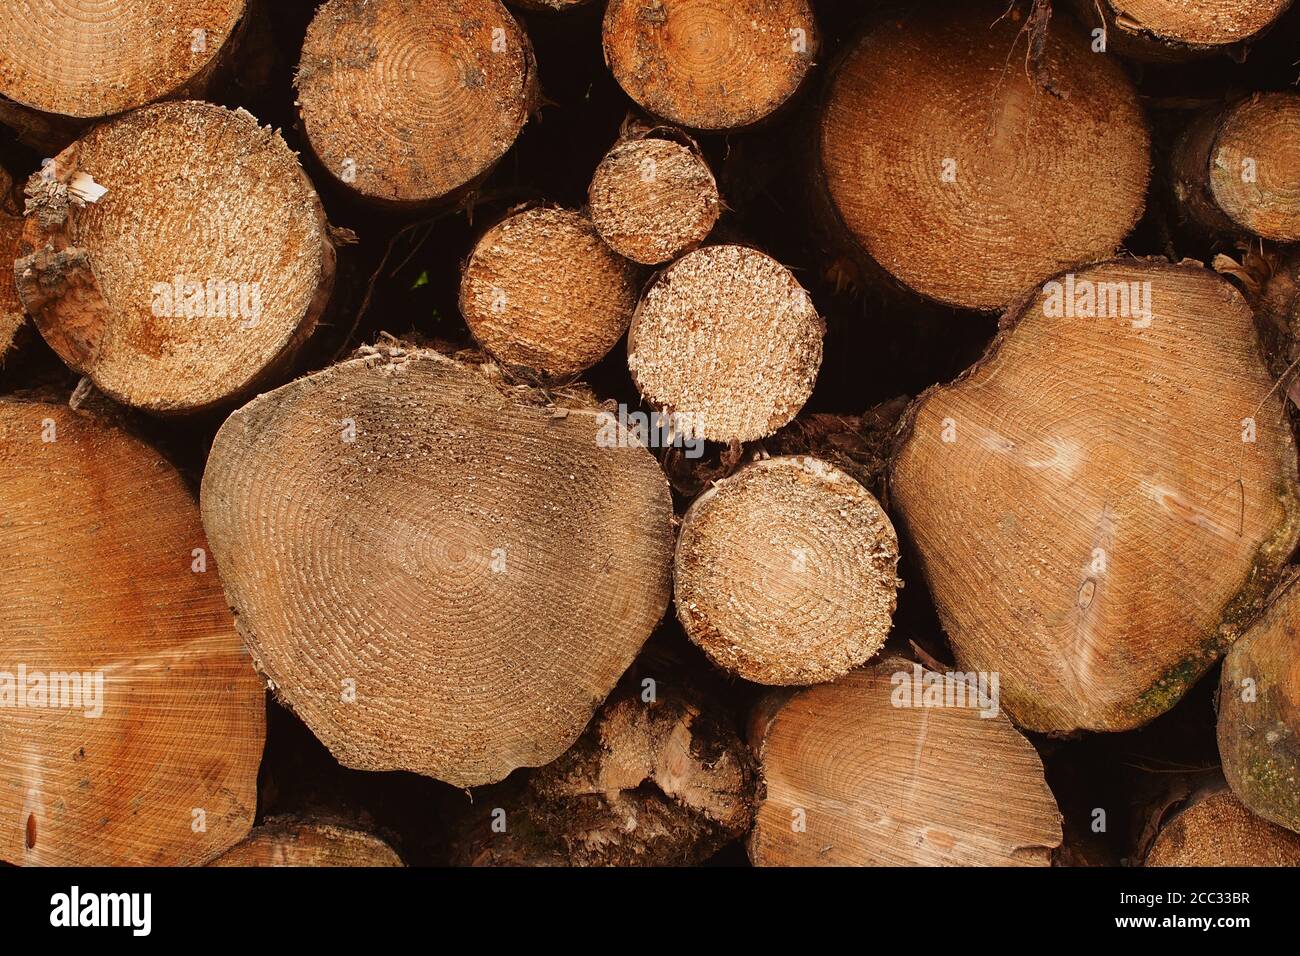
288 841
98 539
1214 829
476 567
1100 505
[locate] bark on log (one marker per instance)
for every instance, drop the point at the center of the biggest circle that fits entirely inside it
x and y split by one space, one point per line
11 309
407 103
288 841
106 588
728 341
710 64
1237 170
385 528
1167 30
1259 712
855 775
786 572
653 196
1215 829
542 291
1104 501
651 783
176 256
65 64
954 170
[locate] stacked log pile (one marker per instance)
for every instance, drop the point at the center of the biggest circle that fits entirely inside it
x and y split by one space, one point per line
519 397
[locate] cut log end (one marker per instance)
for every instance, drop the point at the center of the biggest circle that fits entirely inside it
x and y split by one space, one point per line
132 720
786 572
653 199
854 773
1259 713
1134 514
1213 24
412 510
1216 830
710 64
87 61
178 256
542 291
728 341
1254 169
287 841
406 102
967 178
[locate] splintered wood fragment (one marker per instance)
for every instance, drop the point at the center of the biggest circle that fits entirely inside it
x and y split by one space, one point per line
868 772
190 263
63 64
542 291
385 528
727 341
965 177
1116 477
657 782
1215 829
1259 712
288 841
131 719
710 64
1236 170
405 102
786 572
653 198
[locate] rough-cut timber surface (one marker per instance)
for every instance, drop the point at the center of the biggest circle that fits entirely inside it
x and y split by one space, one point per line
542 291
1237 170
98 542
1101 504
1259 713
960 175
786 572
1216 830
851 779
651 783
1162 30
727 339
710 64
653 198
91 58
434 574
197 273
407 101
287 841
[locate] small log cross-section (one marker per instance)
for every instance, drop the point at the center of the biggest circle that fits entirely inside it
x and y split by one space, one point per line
542 291
953 169
287 841
1215 829
653 198
868 772
65 63
786 572
1259 713
1103 502
1237 170
728 341
710 64
405 102
177 256
436 572
131 721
